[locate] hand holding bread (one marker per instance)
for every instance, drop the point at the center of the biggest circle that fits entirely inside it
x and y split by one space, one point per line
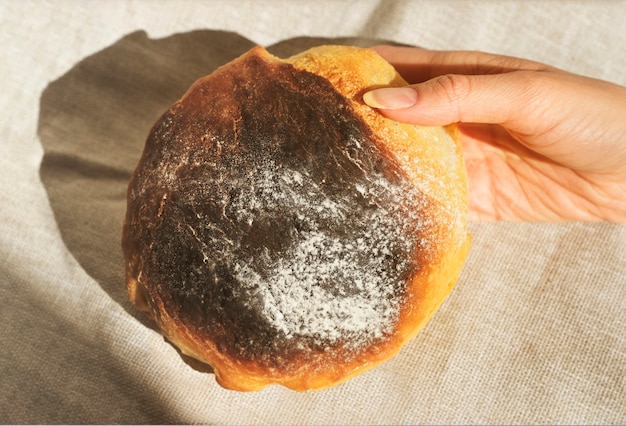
540 144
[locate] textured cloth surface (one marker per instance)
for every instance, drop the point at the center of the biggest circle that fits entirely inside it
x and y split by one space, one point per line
534 331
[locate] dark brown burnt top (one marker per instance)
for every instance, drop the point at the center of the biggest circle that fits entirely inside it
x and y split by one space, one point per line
268 219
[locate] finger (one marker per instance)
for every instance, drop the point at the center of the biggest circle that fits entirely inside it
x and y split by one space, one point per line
417 65
575 121
494 99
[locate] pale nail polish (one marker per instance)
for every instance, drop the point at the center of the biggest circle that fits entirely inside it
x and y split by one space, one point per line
391 98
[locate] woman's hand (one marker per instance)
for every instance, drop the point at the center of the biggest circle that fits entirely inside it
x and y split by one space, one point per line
540 144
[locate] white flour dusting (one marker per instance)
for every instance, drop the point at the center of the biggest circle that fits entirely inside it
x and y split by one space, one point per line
330 287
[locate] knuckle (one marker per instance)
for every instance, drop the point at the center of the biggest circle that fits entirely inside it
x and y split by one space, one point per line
454 89
456 86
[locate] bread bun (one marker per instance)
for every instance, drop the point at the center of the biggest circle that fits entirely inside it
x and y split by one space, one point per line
281 231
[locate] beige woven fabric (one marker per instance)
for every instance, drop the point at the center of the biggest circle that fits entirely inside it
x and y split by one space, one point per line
533 333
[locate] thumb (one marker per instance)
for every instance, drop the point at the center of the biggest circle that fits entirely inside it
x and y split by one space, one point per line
493 99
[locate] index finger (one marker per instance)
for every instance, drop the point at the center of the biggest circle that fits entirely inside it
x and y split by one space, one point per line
417 65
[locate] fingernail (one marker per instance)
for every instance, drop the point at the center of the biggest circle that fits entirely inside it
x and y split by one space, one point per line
391 98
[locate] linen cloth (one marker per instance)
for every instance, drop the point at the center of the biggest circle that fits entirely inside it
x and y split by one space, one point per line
534 331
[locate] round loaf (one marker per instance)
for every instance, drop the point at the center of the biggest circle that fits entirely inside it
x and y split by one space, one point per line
283 232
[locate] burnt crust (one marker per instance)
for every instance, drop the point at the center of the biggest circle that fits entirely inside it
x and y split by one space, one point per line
250 165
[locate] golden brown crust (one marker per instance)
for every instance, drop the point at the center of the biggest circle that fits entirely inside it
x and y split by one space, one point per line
430 159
